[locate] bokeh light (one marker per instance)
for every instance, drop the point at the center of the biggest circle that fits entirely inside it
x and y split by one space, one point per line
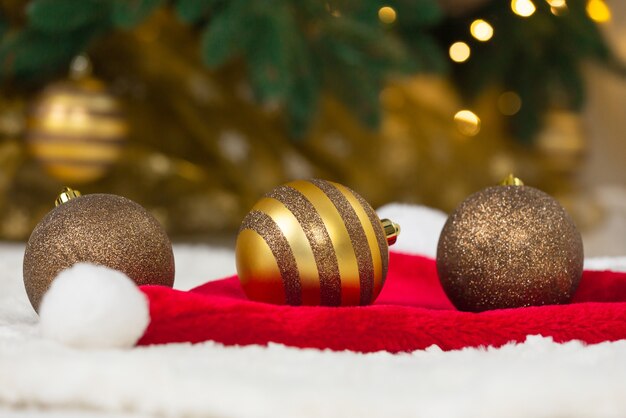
509 103
467 122
387 14
557 7
598 11
459 52
524 8
481 30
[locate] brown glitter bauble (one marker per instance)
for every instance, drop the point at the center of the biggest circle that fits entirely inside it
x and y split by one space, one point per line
102 229
508 247
313 242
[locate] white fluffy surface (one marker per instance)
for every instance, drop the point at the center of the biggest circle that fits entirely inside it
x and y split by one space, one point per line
538 378
90 306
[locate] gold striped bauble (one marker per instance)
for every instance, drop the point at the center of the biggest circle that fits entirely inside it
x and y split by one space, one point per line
76 130
313 242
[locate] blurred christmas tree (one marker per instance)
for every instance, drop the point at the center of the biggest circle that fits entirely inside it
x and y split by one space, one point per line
223 99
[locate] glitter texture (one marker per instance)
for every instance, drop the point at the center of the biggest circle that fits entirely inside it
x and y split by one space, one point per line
265 226
103 229
316 233
378 230
357 238
507 247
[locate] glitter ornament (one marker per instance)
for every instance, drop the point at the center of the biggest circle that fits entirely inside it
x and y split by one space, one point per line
102 229
313 242
509 246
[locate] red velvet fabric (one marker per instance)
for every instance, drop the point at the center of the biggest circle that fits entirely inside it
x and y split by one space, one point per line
411 313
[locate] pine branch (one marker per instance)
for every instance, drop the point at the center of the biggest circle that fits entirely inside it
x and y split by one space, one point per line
280 42
538 57
295 49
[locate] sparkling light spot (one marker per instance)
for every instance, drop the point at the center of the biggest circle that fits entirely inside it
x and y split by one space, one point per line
467 122
459 52
387 14
557 3
524 8
598 11
557 7
481 30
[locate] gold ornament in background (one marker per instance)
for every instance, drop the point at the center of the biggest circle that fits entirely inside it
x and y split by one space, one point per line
313 242
562 147
76 128
509 246
102 229
202 151
561 143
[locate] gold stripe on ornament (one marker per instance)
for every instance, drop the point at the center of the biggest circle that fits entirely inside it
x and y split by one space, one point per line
46 109
58 109
340 241
74 138
74 163
265 226
258 270
357 238
81 152
93 126
370 233
381 238
319 239
93 101
299 243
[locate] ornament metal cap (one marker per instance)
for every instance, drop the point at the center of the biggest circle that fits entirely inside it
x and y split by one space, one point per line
66 195
392 230
511 180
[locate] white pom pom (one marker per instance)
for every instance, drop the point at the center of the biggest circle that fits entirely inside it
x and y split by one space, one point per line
92 306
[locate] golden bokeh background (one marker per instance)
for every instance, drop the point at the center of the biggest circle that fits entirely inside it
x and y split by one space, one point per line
196 150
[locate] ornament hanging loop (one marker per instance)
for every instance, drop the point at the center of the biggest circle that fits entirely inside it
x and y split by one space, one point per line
511 180
392 230
66 195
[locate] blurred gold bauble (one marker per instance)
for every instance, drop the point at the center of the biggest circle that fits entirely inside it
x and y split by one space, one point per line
76 130
509 246
313 242
102 229
562 141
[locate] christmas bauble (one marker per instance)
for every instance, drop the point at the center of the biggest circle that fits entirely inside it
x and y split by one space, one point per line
103 229
76 130
313 242
509 246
